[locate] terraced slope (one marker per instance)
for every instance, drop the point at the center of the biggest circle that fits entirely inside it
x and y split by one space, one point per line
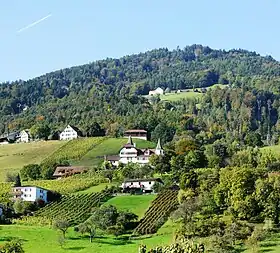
75 149
158 213
75 208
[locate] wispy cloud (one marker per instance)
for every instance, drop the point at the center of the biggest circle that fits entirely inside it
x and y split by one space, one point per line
33 24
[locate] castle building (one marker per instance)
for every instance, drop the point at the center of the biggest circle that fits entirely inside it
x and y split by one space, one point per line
131 154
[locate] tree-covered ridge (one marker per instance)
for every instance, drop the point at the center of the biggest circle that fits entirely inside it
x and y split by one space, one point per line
107 90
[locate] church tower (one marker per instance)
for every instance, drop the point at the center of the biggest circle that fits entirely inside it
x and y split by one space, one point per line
159 149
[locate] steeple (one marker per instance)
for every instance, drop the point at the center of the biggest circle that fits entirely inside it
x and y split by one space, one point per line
159 149
129 141
158 145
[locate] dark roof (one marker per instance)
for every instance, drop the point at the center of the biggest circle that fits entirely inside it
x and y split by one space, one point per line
135 131
66 170
143 180
79 132
112 158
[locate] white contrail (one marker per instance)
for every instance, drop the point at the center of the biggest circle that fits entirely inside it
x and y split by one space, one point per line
33 24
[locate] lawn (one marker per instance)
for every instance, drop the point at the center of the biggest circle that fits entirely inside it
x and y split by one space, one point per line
96 188
14 156
137 204
179 96
187 94
109 146
45 240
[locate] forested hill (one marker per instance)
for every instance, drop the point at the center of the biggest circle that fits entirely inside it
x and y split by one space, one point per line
106 90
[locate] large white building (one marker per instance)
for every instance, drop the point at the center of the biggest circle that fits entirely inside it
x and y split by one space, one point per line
131 154
70 133
30 193
145 184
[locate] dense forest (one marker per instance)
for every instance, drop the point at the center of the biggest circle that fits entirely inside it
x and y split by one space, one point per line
108 92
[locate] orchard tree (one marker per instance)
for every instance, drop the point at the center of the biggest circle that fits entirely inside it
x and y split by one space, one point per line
61 225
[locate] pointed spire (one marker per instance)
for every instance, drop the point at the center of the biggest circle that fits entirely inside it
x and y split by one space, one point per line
159 145
130 140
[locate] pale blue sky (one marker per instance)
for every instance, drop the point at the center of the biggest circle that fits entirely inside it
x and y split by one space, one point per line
80 31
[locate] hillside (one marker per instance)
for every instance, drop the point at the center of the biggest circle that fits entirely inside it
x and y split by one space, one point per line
15 156
110 146
106 89
87 151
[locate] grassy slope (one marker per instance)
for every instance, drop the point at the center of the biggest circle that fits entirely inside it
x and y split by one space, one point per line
137 204
187 95
15 156
109 146
44 240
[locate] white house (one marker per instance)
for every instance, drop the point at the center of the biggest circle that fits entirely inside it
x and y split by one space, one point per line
157 91
30 193
70 133
145 184
131 154
24 136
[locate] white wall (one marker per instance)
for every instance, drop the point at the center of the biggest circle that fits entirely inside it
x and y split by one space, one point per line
147 185
32 193
68 134
24 137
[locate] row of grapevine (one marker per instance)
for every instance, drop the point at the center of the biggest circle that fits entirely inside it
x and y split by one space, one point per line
5 189
158 213
74 149
74 208
69 184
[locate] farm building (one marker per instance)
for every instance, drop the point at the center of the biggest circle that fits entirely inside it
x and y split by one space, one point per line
24 136
146 184
30 193
70 133
66 171
136 133
131 154
157 91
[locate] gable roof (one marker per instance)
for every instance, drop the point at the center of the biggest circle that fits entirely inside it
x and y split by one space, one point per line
66 170
79 132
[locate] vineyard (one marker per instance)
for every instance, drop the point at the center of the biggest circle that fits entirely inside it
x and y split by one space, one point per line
69 184
74 208
74 149
158 212
5 189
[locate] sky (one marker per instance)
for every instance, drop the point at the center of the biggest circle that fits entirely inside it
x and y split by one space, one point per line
81 31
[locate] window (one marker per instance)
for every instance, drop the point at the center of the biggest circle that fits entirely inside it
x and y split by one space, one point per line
139 183
30 189
41 191
150 182
25 190
25 195
131 183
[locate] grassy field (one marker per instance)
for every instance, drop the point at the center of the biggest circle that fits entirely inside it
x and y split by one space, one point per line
109 146
45 240
187 94
14 156
137 204
96 188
